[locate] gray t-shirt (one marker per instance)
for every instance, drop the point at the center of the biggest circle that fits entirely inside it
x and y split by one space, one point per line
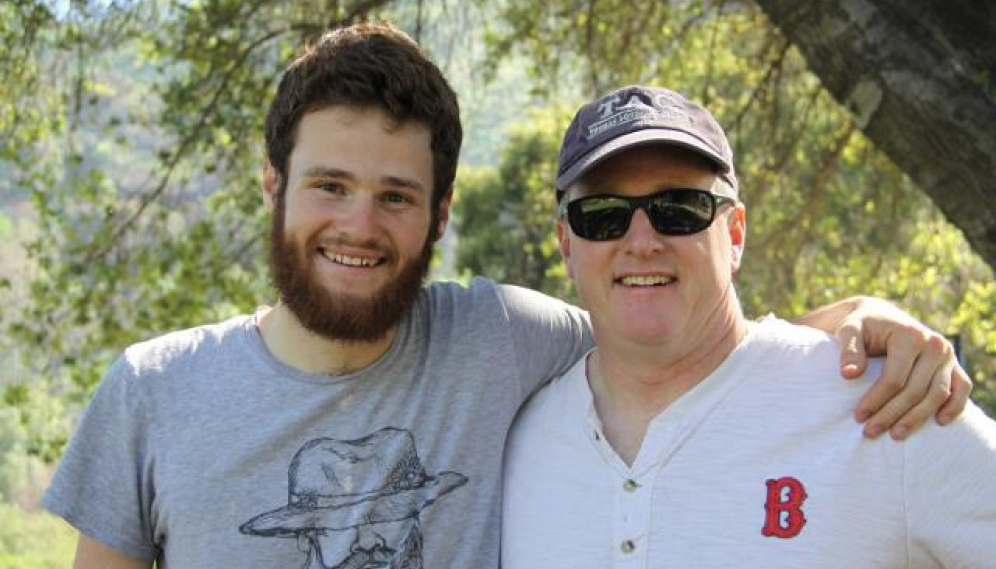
201 450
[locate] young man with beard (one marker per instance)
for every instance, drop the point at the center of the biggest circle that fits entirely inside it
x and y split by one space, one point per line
361 421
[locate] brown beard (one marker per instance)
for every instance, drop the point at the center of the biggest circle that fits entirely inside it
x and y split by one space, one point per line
339 316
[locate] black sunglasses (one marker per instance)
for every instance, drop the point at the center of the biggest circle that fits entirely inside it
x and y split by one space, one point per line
679 211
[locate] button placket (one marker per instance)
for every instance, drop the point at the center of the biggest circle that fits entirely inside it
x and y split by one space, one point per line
632 522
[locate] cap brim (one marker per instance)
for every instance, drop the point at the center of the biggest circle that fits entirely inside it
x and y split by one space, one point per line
293 519
640 138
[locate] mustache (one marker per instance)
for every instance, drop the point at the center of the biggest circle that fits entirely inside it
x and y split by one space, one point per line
371 244
360 558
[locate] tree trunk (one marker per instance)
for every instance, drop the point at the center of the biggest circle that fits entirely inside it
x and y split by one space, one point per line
920 78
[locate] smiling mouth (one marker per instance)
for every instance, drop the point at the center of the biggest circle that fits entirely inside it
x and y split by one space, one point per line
351 261
646 280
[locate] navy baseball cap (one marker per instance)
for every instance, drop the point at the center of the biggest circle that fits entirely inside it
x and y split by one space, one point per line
635 116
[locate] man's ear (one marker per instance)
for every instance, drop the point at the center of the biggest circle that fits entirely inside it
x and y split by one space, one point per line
738 236
271 184
443 215
563 236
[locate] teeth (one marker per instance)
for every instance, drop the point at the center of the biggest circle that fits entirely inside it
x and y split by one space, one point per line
353 261
646 280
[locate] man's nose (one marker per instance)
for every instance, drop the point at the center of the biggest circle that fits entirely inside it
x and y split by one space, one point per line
358 216
641 237
309 545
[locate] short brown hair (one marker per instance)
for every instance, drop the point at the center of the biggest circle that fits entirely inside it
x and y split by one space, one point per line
368 65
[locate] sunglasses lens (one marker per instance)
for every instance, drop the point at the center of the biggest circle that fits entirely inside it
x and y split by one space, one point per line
680 212
599 218
671 212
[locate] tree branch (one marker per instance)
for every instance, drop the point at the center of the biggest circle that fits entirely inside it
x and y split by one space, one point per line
181 149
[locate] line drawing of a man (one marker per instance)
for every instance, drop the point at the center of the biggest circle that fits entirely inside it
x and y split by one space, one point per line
355 504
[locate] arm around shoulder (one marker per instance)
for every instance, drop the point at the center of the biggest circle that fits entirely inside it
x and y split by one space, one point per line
921 376
91 554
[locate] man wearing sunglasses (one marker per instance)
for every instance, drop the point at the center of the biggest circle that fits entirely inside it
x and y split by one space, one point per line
691 437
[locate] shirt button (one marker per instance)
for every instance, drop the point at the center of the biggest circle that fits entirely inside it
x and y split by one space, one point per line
627 546
630 485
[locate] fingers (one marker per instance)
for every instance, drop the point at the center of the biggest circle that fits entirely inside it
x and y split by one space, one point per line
961 389
920 376
897 386
914 400
937 393
853 358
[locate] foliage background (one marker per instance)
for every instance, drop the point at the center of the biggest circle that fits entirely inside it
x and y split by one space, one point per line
130 146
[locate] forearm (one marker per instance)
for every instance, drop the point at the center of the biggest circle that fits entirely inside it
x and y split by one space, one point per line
829 316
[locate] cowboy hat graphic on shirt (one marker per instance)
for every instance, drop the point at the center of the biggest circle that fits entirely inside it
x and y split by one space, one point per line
346 485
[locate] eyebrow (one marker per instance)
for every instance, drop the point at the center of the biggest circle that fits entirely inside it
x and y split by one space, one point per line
394 181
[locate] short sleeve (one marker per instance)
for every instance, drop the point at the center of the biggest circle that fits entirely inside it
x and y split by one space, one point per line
103 483
549 335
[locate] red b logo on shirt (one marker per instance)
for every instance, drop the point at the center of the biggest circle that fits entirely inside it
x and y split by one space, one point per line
784 517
